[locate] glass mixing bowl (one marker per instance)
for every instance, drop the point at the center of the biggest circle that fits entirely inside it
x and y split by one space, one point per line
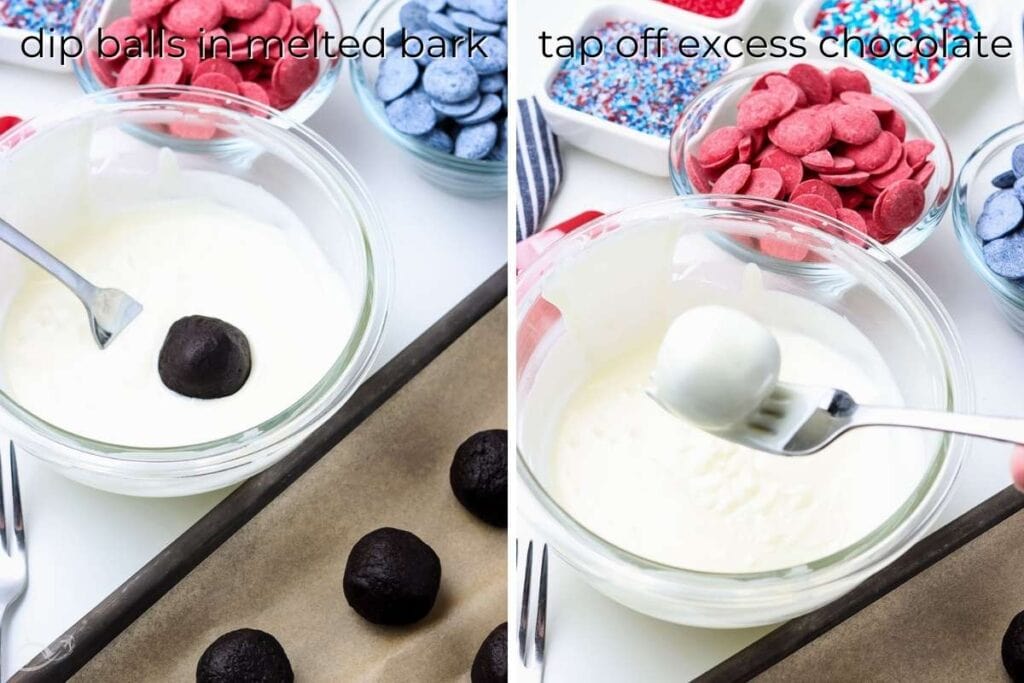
464 177
886 301
715 106
973 187
291 163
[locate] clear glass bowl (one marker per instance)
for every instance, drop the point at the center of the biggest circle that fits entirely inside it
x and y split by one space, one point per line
293 164
716 107
94 14
886 301
464 177
973 187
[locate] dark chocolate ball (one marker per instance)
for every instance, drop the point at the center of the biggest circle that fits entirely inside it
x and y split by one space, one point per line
479 476
205 358
1013 648
244 656
392 577
491 662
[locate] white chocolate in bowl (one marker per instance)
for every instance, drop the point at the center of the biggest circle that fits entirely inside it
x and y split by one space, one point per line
663 489
180 252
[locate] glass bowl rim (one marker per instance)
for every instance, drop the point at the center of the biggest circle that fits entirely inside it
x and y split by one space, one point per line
82 70
908 107
374 110
857 559
966 237
363 343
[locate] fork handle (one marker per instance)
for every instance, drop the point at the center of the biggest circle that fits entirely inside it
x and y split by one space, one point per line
1008 429
20 242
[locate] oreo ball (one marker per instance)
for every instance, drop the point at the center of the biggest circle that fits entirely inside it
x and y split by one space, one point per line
205 358
491 662
479 476
245 656
1013 648
392 577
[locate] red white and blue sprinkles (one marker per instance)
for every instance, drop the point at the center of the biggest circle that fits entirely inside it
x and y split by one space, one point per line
889 19
645 94
33 15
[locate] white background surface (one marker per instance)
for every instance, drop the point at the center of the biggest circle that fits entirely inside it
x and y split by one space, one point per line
592 638
83 543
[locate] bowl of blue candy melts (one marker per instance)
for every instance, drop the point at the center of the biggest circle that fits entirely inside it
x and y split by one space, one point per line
440 90
988 214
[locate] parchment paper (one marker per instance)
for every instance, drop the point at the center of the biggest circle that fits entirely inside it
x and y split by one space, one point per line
282 571
944 624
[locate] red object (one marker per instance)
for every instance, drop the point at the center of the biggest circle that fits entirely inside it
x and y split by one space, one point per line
530 249
709 8
8 122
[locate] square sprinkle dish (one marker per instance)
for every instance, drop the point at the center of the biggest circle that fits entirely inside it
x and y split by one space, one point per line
645 94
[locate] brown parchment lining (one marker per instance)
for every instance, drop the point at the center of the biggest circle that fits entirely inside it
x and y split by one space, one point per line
944 624
282 571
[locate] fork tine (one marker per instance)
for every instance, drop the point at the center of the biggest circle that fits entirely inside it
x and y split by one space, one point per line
3 510
542 608
19 521
524 613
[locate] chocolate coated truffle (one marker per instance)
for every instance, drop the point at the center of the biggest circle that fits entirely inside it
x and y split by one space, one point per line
479 476
1013 648
491 662
205 358
392 577
244 656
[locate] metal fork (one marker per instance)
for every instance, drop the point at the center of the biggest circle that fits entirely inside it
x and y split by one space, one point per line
13 561
799 420
531 640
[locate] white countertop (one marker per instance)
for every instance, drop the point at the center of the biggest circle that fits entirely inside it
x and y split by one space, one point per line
84 543
594 639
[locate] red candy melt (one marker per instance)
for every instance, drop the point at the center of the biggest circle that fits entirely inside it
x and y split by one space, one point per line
822 141
276 78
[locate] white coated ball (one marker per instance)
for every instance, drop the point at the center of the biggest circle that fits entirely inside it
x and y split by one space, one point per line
715 366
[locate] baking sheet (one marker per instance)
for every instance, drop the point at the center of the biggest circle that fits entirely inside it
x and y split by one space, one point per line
282 570
937 614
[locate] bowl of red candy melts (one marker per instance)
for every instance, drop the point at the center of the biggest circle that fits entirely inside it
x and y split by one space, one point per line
822 136
269 51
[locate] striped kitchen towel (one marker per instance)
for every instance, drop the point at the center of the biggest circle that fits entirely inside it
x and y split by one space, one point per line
538 167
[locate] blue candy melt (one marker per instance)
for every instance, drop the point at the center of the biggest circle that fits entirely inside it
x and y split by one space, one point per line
489 107
412 114
396 77
476 142
1001 214
456 109
394 39
1018 160
433 5
439 140
444 25
1005 180
450 80
491 10
492 83
490 57
464 5
468 20
413 17
1005 256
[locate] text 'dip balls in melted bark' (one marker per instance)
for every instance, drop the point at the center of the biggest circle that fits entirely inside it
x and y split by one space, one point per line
479 476
392 577
244 656
205 358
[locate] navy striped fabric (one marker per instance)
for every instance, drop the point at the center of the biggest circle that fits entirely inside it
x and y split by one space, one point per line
538 167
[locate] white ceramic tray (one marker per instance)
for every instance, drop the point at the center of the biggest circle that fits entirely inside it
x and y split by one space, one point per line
986 11
640 151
